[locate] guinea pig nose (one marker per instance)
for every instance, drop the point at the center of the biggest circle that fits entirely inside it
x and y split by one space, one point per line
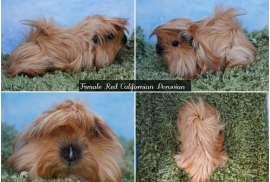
159 49
70 154
124 40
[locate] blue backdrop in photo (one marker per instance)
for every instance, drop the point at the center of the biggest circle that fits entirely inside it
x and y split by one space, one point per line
116 108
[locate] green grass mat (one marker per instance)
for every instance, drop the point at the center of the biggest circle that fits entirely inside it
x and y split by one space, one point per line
246 136
253 77
8 134
121 69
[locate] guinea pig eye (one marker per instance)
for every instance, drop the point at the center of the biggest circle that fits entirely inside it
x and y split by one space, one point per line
175 43
111 36
95 39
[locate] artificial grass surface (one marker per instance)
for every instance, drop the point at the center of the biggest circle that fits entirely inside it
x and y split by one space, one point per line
8 134
246 136
254 77
121 69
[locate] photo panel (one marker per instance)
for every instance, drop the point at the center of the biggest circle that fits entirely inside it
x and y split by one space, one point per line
215 44
51 45
80 136
202 136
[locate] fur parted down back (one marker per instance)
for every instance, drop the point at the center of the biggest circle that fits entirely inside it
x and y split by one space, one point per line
201 136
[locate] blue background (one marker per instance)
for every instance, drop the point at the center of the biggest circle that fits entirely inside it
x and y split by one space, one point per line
116 108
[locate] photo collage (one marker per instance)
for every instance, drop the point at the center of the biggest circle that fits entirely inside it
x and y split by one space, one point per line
135 91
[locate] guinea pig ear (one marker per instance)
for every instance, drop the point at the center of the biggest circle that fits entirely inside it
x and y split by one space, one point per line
188 37
118 23
96 131
102 129
159 31
122 23
153 33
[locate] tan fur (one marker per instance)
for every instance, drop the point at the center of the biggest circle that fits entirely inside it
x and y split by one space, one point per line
37 149
216 42
50 47
201 136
